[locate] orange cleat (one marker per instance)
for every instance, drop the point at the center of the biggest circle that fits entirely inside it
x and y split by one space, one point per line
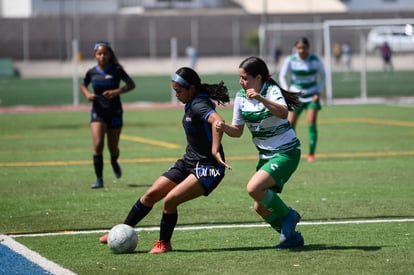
161 247
311 158
104 239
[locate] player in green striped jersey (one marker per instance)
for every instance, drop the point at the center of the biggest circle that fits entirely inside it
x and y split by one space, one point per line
263 107
306 74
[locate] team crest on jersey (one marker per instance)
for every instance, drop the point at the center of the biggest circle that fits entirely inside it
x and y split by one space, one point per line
108 76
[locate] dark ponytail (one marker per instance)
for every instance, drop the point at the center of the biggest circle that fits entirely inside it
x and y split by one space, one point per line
217 92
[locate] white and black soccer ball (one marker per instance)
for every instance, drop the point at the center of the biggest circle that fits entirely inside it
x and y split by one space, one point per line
122 238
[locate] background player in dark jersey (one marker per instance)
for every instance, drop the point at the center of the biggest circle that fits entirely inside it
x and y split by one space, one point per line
106 112
202 167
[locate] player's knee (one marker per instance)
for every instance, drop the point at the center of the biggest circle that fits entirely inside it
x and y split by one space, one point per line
170 205
149 199
252 190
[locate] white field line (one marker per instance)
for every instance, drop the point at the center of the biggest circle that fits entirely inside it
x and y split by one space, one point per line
59 270
217 226
33 257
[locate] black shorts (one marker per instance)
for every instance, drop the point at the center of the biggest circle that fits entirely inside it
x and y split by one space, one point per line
113 120
209 175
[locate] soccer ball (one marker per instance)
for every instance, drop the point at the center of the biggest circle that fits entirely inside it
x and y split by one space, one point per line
122 238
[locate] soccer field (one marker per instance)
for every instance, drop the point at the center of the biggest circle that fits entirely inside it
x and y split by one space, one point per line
363 172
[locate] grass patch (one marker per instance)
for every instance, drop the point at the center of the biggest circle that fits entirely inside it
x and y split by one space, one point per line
39 92
363 171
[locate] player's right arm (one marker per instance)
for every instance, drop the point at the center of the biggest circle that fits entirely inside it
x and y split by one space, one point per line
84 88
88 95
283 74
230 130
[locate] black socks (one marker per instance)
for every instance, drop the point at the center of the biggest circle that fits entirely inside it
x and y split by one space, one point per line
98 165
167 226
137 213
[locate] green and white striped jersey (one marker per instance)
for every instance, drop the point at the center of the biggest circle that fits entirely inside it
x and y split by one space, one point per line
270 134
305 75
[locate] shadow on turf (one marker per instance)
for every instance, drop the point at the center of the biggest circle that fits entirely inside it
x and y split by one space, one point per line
311 247
316 247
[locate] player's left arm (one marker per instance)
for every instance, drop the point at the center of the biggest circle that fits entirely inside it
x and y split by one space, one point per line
322 77
321 81
276 105
129 85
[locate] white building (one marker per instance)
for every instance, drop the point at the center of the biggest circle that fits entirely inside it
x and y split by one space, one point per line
324 6
379 5
27 8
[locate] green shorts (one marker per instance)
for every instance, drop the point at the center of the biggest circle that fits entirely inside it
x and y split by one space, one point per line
280 167
308 105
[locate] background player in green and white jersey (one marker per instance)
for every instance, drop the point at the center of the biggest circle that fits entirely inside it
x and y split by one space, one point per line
263 107
306 74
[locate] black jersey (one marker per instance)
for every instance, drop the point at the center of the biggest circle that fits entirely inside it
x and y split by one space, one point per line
103 80
198 130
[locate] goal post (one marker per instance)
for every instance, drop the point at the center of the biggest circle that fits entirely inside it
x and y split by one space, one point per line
355 24
322 41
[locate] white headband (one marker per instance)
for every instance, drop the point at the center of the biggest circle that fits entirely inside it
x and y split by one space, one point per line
180 80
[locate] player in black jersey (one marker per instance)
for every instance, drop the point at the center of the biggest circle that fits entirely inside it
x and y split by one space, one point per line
106 112
201 168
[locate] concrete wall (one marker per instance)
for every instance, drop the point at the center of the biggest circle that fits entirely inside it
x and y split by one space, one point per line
213 33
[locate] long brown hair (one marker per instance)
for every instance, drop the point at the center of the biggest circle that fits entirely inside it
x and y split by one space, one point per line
255 66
